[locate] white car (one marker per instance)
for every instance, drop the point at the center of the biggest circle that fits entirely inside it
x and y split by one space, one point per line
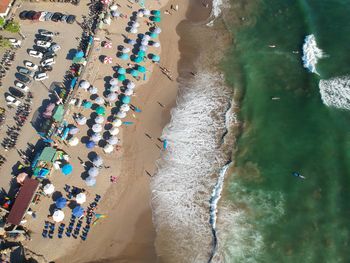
48 62
30 65
55 47
42 43
35 54
11 100
14 42
21 86
42 16
41 76
46 33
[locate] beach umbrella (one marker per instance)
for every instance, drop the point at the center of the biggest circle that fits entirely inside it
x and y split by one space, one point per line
115 88
67 169
134 73
108 148
125 107
79 54
99 119
112 97
113 140
84 85
121 77
121 71
73 130
98 161
61 202
155 18
146 12
58 216
126 50
117 122
141 53
97 127
99 101
141 69
121 115
100 110
146 37
133 30
80 198
107 60
93 171
96 137
153 35
93 90
144 42
156 44
135 24
74 141
90 181
155 12
128 92
132 42
126 99
157 30
90 144
155 58
87 104
114 81
113 7
107 45
140 14
114 131
131 85
49 189
78 211
124 56
143 48
115 13
138 59
82 120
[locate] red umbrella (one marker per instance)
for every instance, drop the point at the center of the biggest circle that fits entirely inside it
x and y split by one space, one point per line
107 60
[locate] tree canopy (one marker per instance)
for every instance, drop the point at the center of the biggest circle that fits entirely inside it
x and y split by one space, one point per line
12 26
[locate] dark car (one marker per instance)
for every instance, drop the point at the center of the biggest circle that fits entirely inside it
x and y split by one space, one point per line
22 78
29 15
15 92
70 19
36 16
40 49
23 14
46 68
56 17
43 38
49 54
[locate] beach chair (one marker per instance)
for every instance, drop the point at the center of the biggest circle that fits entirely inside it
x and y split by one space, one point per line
67 188
97 198
52 230
60 230
44 234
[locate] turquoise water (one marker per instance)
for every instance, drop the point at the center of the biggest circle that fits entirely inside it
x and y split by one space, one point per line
299 220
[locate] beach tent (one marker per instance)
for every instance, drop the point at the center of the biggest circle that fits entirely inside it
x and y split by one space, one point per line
87 105
112 97
125 107
114 81
96 137
114 131
78 211
93 90
90 181
124 56
113 140
121 71
100 110
58 216
99 119
49 189
128 92
141 69
134 73
61 202
67 169
93 171
99 101
108 148
115 88
74 141
121 77
90 144
98 161
97 127
80 198
82 120
84 85
121 115
126 99
130 85
117 123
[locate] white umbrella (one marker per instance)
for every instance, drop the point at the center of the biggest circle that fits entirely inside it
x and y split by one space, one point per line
97 127
99 119
98 161
114 131
82 120
108 148
93 90
115 88
125 107
49 189
147 37
128 92
90 181
93 172
157 30
80 198
133 30
114 81
58 216
112 97
73 130
99 101
130 85
113 7
96 137
115 13
121 115
74 141
146 12
84 85
117 122
126 50
132 42
143 48
113 140
136 24
140 14
156 44
144 42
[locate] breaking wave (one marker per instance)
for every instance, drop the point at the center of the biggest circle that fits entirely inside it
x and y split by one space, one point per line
335 92
216 10
311 54
188 170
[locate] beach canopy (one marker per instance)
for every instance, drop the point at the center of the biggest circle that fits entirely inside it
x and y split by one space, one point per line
121 77
117 122
74 141
132 42
87 104
141 69
99 119
128 92
131 85
126 50
96 137
90 144
143 48
126 99
80 198
67 169
100 110
121 71
125 107
49 189
114 81
93 171
108 148
90 181
121 115
58 216
155 12
78 211
73 130
98 161
107 60
115 88
114 131
113 140
112 97
82 120
84 85
157 30
156 44
93 90
155 18
124 56
138 59
99 101
155 58
97 127
61 202
107 45
134 73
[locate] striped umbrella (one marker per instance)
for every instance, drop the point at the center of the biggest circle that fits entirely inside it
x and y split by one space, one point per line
107 45
107 60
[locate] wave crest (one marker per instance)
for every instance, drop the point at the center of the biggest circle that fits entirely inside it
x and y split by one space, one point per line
311 54
335 92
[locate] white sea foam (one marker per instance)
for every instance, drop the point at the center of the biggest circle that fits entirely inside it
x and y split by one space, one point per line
216 10
335 92
188 170
311 53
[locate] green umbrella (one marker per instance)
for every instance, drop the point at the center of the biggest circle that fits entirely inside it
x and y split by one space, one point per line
155 18
155 12
121 71
138 59
141 69
121 77
87 104
100 110
153 35
141 53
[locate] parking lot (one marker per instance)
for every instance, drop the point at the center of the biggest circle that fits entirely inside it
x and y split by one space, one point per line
68 39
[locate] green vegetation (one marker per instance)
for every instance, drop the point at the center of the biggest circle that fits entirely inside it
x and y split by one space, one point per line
4 43
2 21
12 26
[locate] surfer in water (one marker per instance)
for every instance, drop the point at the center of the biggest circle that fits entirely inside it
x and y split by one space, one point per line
296 174
272 46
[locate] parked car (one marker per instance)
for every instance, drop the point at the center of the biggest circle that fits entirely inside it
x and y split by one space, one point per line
29 15
49 54
48 62
48 16
70 19
35 53
36 16
40 49
23 78
42 16
43 38
23 14
15 42
11 100
64 18
21 86
17 93
25 71
56 17
41 43
41 76
30 65
55 47
46 68
46 33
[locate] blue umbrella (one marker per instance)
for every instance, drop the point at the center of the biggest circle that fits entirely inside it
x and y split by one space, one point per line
134 73
141 69
61 202
79 54
78 211
87 104
138 59
90 144
121 71
124 56
126 99
153 35
67 169
155 58
141 53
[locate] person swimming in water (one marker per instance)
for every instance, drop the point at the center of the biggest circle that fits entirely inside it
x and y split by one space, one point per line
296 174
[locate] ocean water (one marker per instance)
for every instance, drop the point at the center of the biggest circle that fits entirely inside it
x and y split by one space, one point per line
265 213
